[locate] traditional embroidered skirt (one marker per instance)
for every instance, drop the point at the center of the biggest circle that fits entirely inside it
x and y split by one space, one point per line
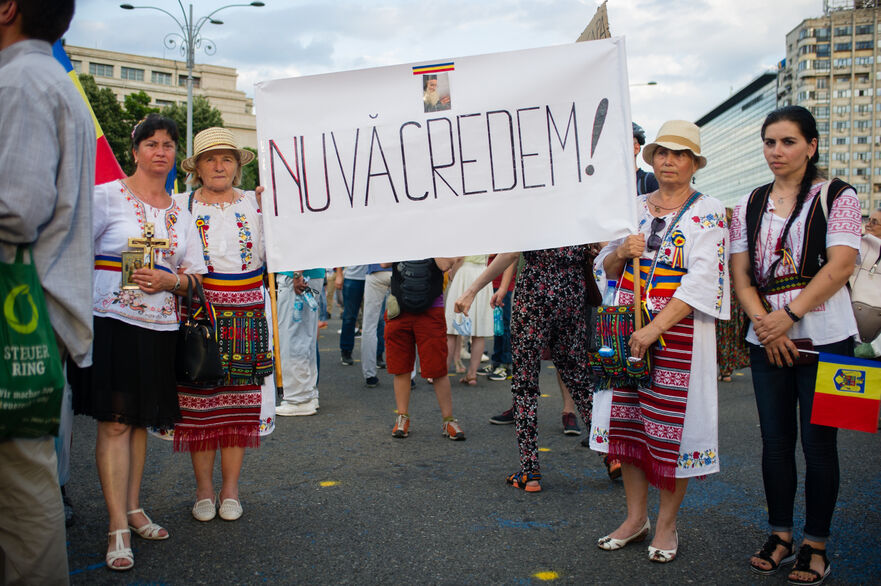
229 415
646 423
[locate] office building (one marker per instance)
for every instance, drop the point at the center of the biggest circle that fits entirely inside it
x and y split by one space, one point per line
165 81
731 141
833 68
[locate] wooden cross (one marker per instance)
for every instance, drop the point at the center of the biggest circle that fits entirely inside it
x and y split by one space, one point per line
148 243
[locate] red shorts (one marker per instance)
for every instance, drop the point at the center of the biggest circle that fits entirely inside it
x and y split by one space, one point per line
409 332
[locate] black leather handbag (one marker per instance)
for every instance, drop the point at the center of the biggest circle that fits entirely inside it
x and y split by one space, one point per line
198 353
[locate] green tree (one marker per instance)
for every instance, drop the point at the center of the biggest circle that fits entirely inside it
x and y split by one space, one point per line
117 120
109 114
137 106
250 176
204 116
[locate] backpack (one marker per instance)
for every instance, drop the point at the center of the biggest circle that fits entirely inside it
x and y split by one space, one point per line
416 284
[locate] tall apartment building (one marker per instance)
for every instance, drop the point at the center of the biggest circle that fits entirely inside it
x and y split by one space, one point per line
833 68
165 81
731 141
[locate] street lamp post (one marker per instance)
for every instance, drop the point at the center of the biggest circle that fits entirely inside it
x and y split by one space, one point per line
190 39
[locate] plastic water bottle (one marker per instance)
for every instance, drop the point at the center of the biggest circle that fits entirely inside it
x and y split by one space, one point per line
498 322
609 295
298 309
309 297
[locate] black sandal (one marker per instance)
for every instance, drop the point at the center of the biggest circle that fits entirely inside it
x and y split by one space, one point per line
803 564
767 553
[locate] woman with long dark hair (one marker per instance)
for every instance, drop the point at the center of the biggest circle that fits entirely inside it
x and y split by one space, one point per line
794 245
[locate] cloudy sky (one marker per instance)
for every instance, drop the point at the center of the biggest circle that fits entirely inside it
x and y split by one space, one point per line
698 51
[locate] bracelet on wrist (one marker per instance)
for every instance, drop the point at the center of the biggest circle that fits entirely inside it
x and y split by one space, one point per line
177 284
791 313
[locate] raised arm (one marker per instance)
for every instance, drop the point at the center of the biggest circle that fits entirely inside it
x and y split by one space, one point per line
495 268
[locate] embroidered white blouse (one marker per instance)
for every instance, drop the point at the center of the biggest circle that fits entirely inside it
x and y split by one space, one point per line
833 320
119 215
699 243
231 235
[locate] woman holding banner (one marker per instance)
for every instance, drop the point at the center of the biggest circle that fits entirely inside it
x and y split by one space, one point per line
549 311
226 417
664 431
131 383
795 243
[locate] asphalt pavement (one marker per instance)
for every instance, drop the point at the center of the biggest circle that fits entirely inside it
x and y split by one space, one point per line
334 499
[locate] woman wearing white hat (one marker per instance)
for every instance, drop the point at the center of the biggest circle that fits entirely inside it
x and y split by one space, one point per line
665 431
226 417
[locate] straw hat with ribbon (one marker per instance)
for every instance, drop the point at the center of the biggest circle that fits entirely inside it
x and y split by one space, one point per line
212 139
677 135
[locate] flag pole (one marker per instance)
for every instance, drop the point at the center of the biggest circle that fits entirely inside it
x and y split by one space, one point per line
637 301
276 353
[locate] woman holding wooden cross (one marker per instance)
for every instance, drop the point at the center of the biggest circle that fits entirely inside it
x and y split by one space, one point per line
131 384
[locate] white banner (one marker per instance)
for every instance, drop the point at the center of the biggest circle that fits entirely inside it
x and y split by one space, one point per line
474 155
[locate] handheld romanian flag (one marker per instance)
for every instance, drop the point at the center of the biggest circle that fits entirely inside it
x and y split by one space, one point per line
847 393
106 166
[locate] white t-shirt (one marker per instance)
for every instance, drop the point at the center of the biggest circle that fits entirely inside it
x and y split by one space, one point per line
119 215
833 320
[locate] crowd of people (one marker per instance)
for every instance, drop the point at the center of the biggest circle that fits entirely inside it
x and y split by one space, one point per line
697 292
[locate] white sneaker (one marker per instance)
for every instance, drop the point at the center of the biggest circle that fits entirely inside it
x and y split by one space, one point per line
287 409
484 358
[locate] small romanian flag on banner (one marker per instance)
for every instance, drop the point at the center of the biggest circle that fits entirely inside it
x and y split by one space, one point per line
434 68
847 393
106 166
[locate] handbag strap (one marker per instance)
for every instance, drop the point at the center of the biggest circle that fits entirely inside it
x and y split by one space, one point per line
648 282
190 201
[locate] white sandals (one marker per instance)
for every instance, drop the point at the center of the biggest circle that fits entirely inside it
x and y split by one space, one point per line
611 544
663 556
120 552
150 530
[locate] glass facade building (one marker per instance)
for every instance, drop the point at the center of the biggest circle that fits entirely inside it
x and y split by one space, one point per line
731 141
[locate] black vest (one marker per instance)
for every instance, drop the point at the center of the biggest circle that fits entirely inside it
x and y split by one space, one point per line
813 255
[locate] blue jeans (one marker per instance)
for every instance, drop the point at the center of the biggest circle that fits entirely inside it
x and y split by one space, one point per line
784 397
353 294
502 344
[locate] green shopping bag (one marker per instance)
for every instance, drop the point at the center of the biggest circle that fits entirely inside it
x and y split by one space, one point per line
31 378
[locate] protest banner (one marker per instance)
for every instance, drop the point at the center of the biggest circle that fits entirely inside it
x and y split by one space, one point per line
598 27
505 152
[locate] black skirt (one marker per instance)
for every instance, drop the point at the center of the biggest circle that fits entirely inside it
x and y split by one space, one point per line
131 379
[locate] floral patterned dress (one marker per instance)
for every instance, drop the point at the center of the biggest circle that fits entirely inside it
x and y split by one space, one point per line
732 352
549 312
